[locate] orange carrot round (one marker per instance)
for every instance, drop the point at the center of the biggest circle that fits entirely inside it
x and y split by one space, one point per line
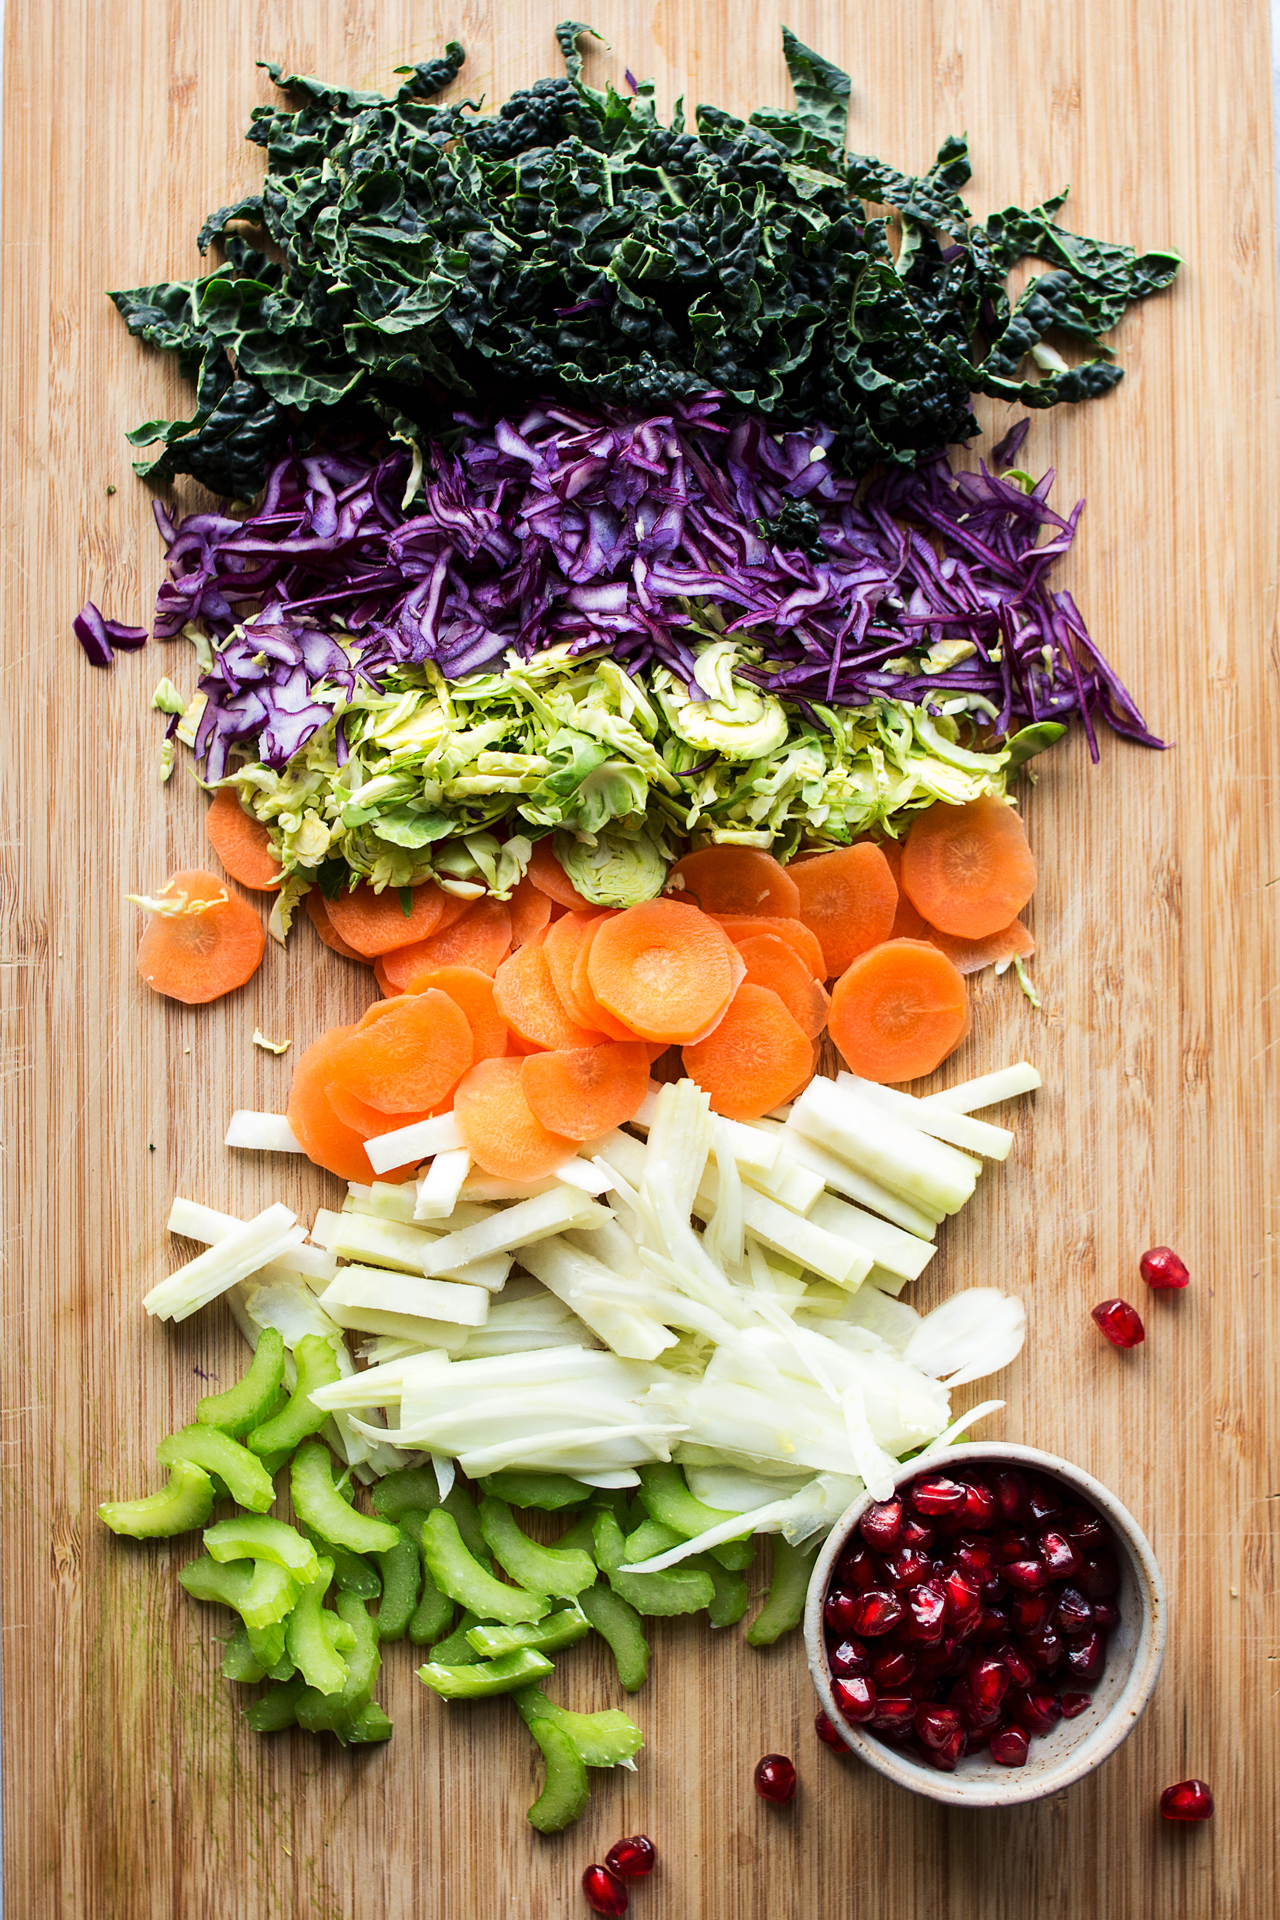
968 869
898 1011
550 877
584 999
740 927
197 957
318 915
472 991
585 1091
562 947
498 1128
1013 942
662 968
241 843
375 923
478 938
754 1059
530 911
410 1057
848 899
363 1119
770 962
525 995
734 880
327 1140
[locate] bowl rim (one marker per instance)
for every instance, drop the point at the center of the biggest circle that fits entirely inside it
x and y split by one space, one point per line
1102 1740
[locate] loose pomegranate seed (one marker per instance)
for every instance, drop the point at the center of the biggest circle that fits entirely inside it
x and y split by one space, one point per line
993 1624
848 1657
1012 1545
935 1495
1037 1710
631 1858
964 1596
976 1557
838 1610
1060 1554
1013 1495
1044 1500
893 1670
946 1756
856 1699
1106 1615
605 1892
1074 1703
1009 1747
875 1613
1087 1528
1189 1800
1028 1612
979 1509
1100 1576
1027 1575
1044 1649
907 1567
928 1606
1160 1267
827 1733
1016 1664
894 1715
1120 1322
988 1684
1087 1656
935 1725
775 1779
1073 1613
858 1570
881 1524
915 1534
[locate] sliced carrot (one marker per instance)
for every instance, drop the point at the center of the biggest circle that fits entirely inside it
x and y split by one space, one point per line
908 924
663 969
530 911
326 1139
754 1058
241 843
498 1128
584 999
585 1091
410 1057
968 869
770 962
478 938
318 915
562 947
363 1119
848 899
1013 942
898 1011
525 995
550 877
472 991
734 880
375 923
741 927
197 957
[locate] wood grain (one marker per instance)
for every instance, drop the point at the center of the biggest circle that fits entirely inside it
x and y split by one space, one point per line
130 1789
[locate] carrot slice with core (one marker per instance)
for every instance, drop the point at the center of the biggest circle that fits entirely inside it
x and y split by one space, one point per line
770 962
550 878
479 938
663 969
525 995
318 915
530 911
898 1011
585 1091
734 880
198 956
375 923
410 1057
586 1002
754 1060
327 1141
500 1130
740 927
968 869
472 991
241 843
848 899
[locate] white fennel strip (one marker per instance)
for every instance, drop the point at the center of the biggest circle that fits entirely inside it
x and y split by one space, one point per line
262 1132
252 1245
942 1123
987 1090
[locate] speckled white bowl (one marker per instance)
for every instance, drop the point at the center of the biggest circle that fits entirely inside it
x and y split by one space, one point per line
1075 1747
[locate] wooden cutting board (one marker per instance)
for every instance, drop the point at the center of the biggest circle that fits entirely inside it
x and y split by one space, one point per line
130 1787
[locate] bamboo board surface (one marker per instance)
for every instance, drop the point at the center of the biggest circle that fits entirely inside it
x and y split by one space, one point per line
130 1789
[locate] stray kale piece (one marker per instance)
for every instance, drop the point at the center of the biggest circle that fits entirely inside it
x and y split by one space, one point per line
571 244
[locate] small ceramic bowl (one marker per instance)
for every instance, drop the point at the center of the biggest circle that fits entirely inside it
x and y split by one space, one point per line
1075 1747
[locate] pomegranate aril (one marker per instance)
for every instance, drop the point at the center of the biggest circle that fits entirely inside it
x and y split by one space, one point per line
1120 1322
964 1596
1073 1613
1028 1612
1044 1649
1087 1656
1188 1800
1160 1267
976 1738
1037 1710
934 1494
838 1610
605 1892
827 1733
946 1756
1016 1665
1087 1528
993 1624
856 1699
858 1570
1074 1703
1099 1576
1043 1500
631 1858
1009 1747
1060 1554
907 1567
935 1725
881 1524
988 1684
775 1779
1027 1575
875 1613
976 1557
915 1533
979 1509
1013 1495
938 1657
927 1606
893 1670
894 1715
1106 1615
848 1657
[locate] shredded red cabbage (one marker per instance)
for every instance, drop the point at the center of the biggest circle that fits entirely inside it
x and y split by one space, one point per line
101 637
597 532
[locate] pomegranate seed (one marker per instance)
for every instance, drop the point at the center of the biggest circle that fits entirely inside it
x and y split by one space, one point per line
838 1609
964 1596
1013 1496
1044 1649
1060 1554
993 1624
907 1567
1027 1575
775 1779
935 1494
1011 1546
1087 1656
1037 1710
1100 1576
1074 1703
1028 1612
1087 1528
605 1892
1009 1747
976 1557
928 1606
1016 1664
894 1715
631 1858
962 1700
993 1590
856 1699
1044 1500
875 1613
915 1534
827 1733
892 1671
979 1509
1106 1615
849 1657
976 1738
1073 1613
881 1524
1160 1267
935 1725
1120 1322
858 1570
1189 1800
937 1658
988 1684
946 1756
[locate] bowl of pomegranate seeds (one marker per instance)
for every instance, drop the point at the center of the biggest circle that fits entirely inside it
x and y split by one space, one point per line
992 1631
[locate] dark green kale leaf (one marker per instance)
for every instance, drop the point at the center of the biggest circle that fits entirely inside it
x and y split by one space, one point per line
417 254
